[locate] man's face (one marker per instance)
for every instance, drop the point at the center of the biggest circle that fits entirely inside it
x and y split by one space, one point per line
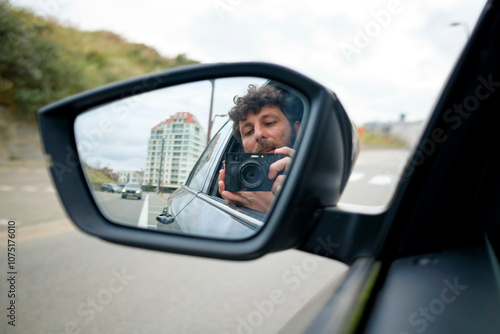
266 131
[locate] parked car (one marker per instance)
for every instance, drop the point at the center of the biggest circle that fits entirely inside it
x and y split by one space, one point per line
132 189
111 188
425 263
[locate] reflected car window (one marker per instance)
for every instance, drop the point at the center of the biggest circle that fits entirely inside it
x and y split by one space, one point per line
200 172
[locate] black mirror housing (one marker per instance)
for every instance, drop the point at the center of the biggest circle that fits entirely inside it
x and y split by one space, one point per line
319 174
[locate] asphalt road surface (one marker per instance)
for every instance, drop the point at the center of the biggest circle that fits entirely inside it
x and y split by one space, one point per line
133 212
58 280
375 177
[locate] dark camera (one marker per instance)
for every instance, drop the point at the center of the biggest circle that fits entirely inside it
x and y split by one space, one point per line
249 171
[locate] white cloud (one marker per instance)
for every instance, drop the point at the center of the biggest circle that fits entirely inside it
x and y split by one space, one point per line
401 69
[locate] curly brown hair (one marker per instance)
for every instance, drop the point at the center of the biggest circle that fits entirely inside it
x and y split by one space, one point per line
256 99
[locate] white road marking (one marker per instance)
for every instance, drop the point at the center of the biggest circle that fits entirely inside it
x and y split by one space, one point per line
143 217
6 188
29 189
5 222
382 180
356 176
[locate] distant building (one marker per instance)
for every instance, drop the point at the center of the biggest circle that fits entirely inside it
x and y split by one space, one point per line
130 176
383 128
181 139
408 132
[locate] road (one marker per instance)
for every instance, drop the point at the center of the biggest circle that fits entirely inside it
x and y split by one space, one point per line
69 282
375 176
133 212
372 183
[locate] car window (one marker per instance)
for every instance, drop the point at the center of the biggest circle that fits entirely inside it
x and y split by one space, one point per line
202 168
393 77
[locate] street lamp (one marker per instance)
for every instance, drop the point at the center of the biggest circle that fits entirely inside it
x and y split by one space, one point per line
210 122
466 27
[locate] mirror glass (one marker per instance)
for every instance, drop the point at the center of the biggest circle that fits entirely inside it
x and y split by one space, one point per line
170 160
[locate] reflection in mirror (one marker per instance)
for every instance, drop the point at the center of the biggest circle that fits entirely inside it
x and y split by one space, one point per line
205 158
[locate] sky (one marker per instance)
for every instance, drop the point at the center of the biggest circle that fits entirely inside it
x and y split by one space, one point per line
382 58
116 135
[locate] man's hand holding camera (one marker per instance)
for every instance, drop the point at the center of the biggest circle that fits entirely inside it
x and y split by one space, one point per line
259 200
279 166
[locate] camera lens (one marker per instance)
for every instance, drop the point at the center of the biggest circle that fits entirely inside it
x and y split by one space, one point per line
251 175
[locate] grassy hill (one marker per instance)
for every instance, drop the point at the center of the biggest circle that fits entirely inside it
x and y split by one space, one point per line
42 61
97 177
377 140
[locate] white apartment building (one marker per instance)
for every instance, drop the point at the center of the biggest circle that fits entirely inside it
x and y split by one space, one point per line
173 149
130 176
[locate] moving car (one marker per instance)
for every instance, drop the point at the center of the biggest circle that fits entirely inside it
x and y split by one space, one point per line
132 189
111 188
426 263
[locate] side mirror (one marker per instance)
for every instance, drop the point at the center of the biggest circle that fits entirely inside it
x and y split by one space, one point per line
129 125
165 218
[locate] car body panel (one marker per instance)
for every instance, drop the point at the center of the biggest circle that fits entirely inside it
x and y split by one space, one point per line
216 222
460 283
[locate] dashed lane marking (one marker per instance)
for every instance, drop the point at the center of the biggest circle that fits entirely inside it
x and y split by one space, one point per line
356 176
29 189
5 222
40 230
6 188
382 180
143 217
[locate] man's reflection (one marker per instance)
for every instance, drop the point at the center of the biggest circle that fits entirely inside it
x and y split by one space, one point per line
265 120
